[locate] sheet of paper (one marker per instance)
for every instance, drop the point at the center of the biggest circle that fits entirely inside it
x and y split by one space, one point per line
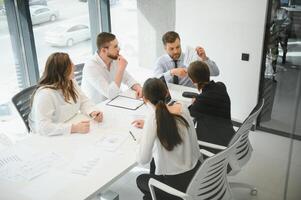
111 142
85 161
190 56
126 102
23 164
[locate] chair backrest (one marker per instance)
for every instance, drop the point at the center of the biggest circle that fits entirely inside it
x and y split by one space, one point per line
244 150
210 181
78 73
22 101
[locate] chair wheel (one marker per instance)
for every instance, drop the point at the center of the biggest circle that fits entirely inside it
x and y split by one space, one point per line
253 192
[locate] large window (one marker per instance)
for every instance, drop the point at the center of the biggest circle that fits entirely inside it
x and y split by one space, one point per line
61 26
9 83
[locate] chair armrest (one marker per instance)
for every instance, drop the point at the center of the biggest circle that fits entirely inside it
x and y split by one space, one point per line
154 183
210 145
206 153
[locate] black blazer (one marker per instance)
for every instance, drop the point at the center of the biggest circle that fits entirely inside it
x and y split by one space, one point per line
212 111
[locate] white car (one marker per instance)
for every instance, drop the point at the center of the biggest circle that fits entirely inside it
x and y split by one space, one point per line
67 35
40 14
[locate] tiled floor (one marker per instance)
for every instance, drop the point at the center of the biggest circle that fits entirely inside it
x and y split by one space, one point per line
266 170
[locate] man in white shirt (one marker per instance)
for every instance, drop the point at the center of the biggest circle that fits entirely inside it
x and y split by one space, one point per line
172 66
106 70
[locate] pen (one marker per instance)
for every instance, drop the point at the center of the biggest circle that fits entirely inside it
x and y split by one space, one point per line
95 116
132 135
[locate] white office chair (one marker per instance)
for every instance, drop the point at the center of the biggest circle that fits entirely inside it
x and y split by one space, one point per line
243 151
209 182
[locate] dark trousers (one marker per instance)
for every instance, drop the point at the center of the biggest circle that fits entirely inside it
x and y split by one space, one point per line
179 182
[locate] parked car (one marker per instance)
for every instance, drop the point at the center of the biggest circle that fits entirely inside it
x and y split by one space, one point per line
67 35
112 2
41 14
38 2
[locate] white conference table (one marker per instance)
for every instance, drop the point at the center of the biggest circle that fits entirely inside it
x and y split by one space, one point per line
58 183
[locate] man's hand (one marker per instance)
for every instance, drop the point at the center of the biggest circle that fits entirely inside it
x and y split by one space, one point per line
139 123
201 53
180 72
138 90
97 116
122 62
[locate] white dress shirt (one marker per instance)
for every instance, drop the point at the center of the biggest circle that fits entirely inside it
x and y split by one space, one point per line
99 83
182 158
49 111
165 63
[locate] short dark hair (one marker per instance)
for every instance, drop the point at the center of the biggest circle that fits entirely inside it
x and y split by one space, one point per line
170 37
198 72
103 39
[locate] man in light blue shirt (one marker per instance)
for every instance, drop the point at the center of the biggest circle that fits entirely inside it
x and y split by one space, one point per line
171 65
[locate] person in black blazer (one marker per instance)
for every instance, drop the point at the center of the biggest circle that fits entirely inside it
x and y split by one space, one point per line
211 108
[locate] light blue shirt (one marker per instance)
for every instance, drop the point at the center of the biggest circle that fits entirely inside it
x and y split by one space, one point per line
165 63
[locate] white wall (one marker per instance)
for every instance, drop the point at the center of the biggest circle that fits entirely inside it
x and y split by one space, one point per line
227 28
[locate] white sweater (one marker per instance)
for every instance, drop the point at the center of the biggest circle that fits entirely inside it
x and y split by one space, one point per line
99 83
181 159
50 111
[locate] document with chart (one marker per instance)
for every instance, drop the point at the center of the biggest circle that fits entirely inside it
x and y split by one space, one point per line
190 56
125 102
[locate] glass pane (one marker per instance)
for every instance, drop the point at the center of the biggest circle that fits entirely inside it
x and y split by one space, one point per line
53 30
10 122
283 72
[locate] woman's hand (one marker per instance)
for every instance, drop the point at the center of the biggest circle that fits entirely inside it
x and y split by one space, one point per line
81 127
97 116
139 123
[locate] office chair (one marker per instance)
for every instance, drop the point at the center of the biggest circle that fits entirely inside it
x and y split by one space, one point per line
22 101
243 152
78 73
209 182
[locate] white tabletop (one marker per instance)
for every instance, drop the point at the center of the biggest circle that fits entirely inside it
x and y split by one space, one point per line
59 182
177 90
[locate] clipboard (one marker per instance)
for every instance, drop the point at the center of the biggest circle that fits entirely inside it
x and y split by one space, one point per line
125 102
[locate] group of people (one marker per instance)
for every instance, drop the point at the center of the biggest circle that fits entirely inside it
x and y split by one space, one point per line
169 135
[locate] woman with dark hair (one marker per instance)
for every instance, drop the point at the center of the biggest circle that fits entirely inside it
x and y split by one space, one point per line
58 98
170 138
211 108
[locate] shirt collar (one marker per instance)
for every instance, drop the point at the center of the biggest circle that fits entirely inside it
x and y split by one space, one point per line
180 58
100 61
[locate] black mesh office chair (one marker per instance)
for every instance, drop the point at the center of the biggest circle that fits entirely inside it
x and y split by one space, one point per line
78 73
22 101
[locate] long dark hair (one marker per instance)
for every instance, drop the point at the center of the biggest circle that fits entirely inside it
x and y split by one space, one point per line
198 72
155 91
56 75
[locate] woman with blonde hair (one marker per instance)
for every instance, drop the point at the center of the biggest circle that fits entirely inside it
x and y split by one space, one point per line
58 98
